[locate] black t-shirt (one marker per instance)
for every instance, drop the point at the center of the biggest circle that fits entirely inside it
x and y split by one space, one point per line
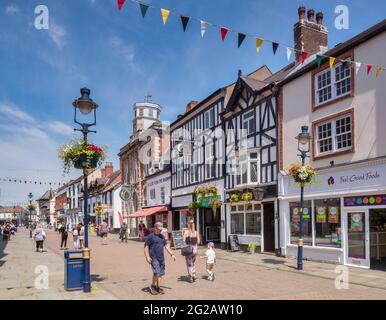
156 244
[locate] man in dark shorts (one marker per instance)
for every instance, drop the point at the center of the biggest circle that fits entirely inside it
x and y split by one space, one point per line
154 254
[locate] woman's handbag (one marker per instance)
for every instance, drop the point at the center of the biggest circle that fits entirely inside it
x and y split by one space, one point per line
187 250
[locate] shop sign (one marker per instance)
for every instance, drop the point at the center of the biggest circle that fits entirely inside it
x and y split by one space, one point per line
126 194
296 214
356 222
333 215
359 201
321 214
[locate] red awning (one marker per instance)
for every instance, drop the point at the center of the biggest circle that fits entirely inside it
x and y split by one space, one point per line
148 211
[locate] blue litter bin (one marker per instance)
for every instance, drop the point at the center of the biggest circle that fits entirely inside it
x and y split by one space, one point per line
73 270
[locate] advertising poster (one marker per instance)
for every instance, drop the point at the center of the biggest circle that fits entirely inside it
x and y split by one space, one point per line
333 215
306 213
295 215
321 214
356 222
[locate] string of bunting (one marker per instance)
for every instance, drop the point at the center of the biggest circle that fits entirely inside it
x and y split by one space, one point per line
165 13
27 181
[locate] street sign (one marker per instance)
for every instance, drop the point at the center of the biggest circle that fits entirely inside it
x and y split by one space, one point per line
126 194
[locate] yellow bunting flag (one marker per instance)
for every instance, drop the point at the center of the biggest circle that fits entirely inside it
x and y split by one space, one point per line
378 71
332 61
165 15
259 42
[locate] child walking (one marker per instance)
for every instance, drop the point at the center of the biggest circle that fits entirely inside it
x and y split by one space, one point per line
210 256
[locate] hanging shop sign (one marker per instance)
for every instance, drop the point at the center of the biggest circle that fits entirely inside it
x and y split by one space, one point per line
378 200
126 193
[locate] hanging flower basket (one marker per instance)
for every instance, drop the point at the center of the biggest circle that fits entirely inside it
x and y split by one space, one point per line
215 204
199 191
81 155
302 174
31 207
210 191
193 206
247 196
235 197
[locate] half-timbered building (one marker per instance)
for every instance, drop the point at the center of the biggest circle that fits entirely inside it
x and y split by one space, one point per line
250 126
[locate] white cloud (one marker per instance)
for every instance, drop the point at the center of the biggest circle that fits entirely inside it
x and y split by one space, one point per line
60 128
15 113
12 9
126 52
57 34
91 2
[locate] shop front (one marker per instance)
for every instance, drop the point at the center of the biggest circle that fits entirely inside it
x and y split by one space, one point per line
344 216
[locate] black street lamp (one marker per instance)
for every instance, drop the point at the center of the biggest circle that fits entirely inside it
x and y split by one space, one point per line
85 106
30 197
304 139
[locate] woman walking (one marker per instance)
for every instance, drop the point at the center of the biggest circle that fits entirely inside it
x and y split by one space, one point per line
39 237
81 235
64 236
75 237
191 238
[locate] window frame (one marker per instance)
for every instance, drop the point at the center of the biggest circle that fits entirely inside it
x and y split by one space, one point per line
316 155
248 161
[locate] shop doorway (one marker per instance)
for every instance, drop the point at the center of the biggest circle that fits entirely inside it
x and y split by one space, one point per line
269 227
209 225
378 239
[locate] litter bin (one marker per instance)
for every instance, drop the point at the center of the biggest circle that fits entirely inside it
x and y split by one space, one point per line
73 270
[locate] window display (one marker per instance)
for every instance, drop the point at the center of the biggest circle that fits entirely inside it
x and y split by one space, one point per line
327 223
295 222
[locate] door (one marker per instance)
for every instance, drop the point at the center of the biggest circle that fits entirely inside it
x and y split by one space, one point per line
357 240
269 227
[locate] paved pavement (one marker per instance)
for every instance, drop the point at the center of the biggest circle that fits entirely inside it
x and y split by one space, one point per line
18 280
120 269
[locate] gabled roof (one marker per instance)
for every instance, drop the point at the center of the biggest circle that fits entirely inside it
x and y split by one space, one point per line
49 194
112 181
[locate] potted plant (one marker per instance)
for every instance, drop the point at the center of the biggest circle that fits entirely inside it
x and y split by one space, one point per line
302 174
193 205
235 197
247 196
251 248
81 155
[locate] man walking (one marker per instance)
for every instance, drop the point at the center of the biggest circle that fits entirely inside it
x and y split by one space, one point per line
141 230
154 254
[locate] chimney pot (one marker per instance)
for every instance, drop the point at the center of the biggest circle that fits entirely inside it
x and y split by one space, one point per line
302 13
311 15
319 18
192 104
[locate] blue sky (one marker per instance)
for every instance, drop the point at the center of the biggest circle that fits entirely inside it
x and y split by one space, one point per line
122 57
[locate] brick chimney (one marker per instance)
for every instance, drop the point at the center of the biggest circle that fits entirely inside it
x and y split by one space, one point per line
309 36
191 105
109 169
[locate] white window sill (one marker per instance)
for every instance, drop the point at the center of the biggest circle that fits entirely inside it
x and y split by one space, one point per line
318 248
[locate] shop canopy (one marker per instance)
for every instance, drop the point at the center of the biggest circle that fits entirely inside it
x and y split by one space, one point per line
148 211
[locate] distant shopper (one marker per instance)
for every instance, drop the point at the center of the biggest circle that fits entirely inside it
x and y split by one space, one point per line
75 237
154 254
141 230
64 237
123 232
81 235
104 231
39 237
210 256
7 232
192 239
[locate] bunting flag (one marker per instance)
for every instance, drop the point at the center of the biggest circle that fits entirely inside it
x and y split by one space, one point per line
144 8
319 59
165 15
369 67
289 53
304 56
241 37
224 32
120 4
185 21
357 67
204 26
259 42
332 61
378 71
275 45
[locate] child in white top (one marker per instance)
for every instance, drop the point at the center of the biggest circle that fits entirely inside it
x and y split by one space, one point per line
210 256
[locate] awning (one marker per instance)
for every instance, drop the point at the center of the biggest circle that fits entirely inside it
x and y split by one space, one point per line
148 211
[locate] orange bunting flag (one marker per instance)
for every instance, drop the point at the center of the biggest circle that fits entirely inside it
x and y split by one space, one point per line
259 42
120 4
332 61
224 32
378 71
304 56
165 15
369 67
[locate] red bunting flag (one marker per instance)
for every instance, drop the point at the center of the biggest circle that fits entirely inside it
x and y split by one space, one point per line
304 56
120 4
369 67
224 32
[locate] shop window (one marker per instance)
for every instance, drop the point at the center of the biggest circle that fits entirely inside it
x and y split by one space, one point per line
295 222
253 223
237 223
327 223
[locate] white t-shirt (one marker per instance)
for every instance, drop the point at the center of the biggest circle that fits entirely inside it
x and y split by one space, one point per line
210 256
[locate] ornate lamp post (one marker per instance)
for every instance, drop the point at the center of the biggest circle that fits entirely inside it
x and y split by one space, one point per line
85 105
304 139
